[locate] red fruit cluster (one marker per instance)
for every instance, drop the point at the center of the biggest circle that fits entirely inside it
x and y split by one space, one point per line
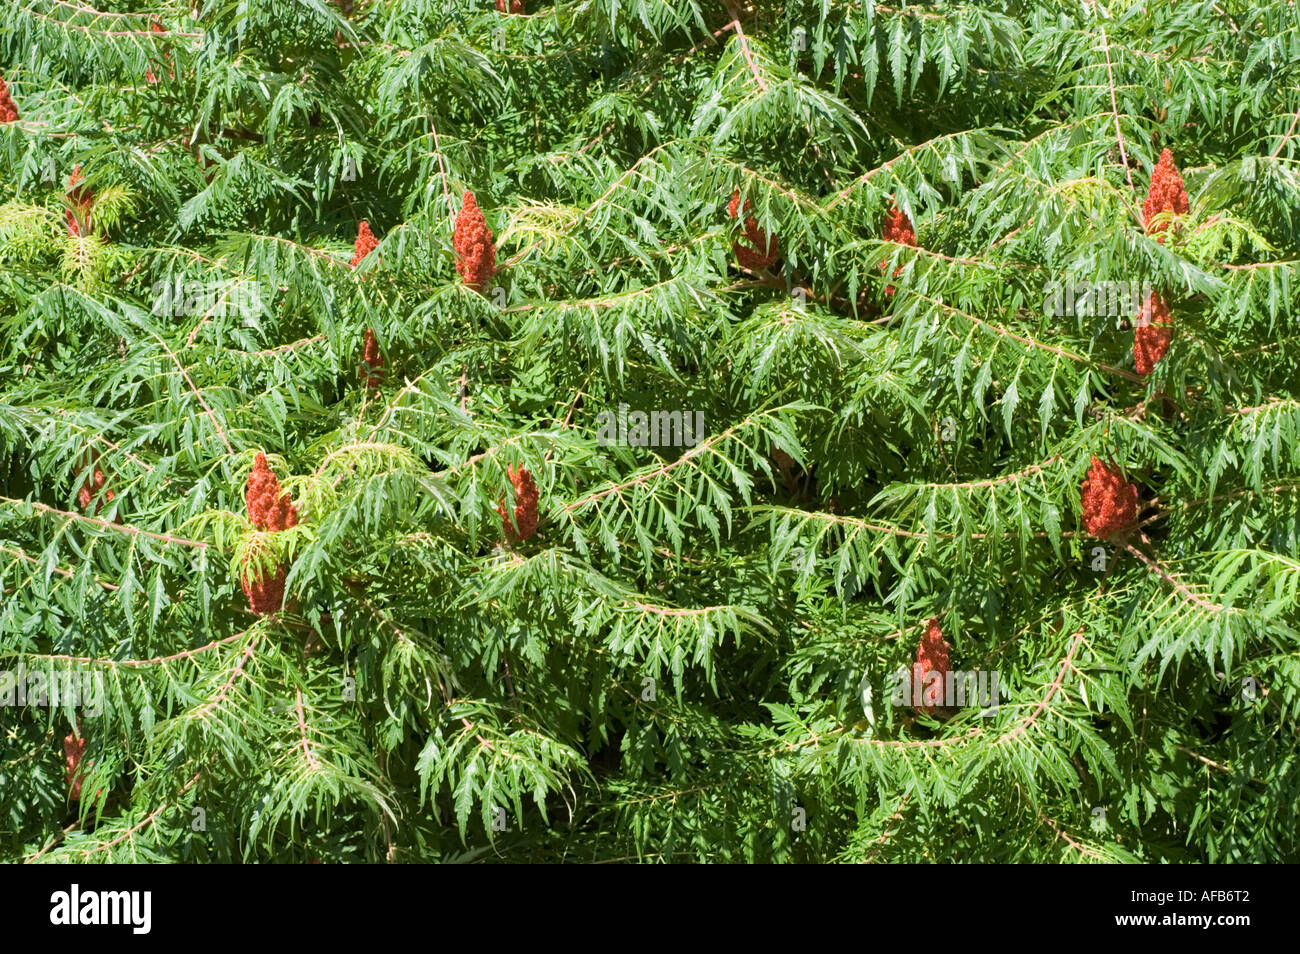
1153 333
265 593
81 197
525 516
74 747
1155 324
762 250
1110 503
157 27
476 256
269 508
372 362
1166 194
95 487
897 228
516 6
365 243
931 656
8 108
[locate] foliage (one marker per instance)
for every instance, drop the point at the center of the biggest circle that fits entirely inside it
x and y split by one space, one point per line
691 656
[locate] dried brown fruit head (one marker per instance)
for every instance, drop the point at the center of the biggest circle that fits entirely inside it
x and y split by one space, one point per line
476 256
931 656
525 512
762 250
1153 334
1165 194
1110 503
365 243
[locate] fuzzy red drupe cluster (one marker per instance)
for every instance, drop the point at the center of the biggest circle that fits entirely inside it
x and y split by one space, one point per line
897 228
364 245
1110 503
8 108
476 256
149 76
270 509
1166 194
81 197
1153 333
74 747
762 250
95 486
372 362
525 514
265 592
1154 326
516 6
931 656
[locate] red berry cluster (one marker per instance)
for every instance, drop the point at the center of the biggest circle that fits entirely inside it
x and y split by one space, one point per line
269 509
81 197
525 515
762 250
95 487
265 593
516 6
931 656
1154 328
476 256
372 362
897 228
1110 503
8 108
1153 333
74 747
157 27
1165 194
365 243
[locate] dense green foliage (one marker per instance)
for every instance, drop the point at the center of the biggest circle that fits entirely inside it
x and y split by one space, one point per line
674 667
